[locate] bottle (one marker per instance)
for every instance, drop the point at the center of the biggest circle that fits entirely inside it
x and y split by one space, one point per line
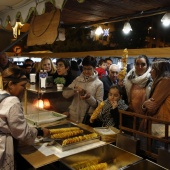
42 77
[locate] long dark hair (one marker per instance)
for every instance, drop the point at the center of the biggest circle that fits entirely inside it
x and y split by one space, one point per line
146 59
162 68
13 74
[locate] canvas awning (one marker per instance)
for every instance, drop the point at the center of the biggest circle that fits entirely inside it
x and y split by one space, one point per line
11 9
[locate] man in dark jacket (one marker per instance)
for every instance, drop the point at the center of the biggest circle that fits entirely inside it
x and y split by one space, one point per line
111 79
4 62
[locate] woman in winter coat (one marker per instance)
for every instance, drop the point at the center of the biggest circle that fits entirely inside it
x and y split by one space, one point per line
158 105
86 90
138 83
13 126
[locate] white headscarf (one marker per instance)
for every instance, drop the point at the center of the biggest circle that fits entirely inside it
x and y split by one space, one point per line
141 81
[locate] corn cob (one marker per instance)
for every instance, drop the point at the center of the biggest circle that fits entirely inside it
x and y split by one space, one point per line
96 112
66 134
85 163
100 166
60 130
78 138
124 60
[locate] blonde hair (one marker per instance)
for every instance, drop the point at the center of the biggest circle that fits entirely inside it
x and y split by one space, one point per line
53 68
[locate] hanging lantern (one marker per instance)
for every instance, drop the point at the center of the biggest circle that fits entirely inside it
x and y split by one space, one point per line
166 20
17 29
99 31
127 28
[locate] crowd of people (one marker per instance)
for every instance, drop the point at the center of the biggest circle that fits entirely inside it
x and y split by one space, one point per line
95 90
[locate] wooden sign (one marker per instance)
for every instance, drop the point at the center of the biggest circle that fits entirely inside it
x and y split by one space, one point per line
44 28
17 49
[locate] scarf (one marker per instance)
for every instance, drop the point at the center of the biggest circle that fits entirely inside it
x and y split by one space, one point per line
105 115
142 81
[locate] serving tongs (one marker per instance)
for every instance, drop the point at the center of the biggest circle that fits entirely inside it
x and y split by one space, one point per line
49 141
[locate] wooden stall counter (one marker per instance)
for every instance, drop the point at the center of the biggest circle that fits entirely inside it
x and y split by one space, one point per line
37 159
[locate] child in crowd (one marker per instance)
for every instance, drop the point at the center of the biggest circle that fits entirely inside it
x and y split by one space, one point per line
102 68
108 111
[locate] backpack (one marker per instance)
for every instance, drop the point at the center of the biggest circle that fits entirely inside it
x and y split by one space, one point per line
3 96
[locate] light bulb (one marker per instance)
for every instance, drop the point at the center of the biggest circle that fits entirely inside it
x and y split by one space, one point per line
99 31
166 20
127 28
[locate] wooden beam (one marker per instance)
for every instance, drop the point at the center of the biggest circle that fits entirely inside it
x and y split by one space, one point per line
150 52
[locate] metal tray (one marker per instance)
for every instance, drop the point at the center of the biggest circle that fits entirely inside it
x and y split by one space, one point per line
63 125
147 165
76 144
115 157
44 117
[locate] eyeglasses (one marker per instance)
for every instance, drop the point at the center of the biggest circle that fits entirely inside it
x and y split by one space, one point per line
140 64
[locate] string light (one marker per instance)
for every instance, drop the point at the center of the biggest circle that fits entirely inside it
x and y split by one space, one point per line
99 31
127 28
166 20
106 32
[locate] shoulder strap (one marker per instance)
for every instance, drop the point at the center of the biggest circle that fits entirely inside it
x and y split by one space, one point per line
3 96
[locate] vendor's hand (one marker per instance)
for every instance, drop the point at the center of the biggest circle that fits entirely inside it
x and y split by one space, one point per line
46 132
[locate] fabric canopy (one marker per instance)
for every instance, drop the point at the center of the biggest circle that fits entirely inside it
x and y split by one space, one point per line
10 10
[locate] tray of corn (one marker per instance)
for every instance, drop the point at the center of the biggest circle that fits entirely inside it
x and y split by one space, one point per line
69 136
107 157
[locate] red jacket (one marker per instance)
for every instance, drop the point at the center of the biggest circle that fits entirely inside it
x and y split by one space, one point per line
101 72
